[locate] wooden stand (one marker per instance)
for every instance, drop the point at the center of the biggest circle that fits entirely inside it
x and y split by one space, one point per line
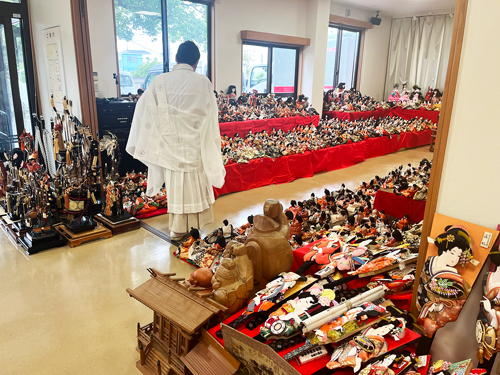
6 225
119 227
433 139
79 238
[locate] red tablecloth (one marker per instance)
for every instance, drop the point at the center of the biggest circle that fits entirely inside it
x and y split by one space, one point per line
243 127
312 367
266 171
414 139
398 206
406 114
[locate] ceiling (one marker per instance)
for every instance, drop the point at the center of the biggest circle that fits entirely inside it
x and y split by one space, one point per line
402 7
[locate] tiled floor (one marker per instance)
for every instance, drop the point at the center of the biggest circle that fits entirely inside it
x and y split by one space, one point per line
65 311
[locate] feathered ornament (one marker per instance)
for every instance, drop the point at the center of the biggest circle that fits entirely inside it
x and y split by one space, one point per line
109 142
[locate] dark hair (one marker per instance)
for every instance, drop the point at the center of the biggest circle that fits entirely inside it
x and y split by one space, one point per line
453 237
188 53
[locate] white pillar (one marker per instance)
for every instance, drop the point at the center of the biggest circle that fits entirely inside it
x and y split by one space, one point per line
314 56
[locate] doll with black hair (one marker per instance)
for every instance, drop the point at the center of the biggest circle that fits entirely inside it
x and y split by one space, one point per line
442 290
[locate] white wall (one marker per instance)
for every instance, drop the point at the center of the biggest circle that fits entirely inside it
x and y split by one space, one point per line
284 17
375 52
103 45
45 14
470 183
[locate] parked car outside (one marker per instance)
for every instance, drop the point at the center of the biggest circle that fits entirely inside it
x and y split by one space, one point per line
126 84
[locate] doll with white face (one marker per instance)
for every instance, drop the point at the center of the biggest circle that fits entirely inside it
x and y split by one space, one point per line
442 291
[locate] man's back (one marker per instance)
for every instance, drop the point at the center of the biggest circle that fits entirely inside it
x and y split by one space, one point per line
187 90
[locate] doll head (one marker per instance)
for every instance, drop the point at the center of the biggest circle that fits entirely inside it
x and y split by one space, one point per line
454 246
231 90
195 233
289 215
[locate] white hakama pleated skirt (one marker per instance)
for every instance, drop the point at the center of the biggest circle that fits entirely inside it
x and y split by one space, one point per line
190 198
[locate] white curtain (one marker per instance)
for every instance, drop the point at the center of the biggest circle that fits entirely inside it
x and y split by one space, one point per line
419 51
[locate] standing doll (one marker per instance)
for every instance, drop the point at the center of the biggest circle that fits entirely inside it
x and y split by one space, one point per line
231 95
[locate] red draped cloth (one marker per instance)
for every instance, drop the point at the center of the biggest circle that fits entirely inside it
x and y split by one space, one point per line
402 300
398 206
267 171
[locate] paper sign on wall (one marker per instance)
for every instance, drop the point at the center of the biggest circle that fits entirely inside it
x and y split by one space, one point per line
54 65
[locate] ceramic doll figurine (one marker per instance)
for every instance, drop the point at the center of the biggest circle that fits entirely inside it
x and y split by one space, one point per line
436 97
488 319
340 89
442 291
429 94
404 95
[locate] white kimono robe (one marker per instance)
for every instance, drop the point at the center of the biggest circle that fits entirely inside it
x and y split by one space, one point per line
175 132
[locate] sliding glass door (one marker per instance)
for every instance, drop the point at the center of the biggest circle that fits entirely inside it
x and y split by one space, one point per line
342 57
17 86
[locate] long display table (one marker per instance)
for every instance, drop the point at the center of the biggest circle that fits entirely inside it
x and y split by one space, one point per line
402 300
267 171
398 206
406 114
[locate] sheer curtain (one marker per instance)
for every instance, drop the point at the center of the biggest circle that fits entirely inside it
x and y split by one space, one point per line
419 51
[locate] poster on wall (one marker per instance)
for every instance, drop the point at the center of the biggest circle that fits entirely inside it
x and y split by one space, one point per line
54 65
455 256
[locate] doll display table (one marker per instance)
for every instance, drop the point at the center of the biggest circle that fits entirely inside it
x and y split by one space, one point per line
398 206
402 300
406 114
243 127
266 171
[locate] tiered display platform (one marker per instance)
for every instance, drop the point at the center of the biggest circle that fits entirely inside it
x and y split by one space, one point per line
406 114
79 238
243 127
398 206
266 171
119 227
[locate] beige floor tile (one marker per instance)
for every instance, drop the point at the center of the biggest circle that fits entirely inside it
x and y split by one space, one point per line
65 311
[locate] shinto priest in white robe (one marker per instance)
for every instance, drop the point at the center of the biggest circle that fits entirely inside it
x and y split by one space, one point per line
175 132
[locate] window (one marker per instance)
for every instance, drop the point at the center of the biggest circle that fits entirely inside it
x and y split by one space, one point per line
341 57
17 98
153 30
270 69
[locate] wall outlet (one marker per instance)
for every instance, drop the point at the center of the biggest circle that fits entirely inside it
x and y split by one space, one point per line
96 87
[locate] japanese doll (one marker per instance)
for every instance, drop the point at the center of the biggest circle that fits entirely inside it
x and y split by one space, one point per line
443 291
394 96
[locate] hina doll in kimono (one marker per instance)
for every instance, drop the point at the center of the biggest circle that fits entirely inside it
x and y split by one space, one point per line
442 291
175 132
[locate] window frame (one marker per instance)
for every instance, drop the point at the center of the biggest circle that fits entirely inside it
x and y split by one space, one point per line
164 16
8 12
338 54
270 47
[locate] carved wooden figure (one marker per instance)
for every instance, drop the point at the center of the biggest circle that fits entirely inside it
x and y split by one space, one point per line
267 243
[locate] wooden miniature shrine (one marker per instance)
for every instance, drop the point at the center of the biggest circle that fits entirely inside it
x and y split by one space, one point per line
178 318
